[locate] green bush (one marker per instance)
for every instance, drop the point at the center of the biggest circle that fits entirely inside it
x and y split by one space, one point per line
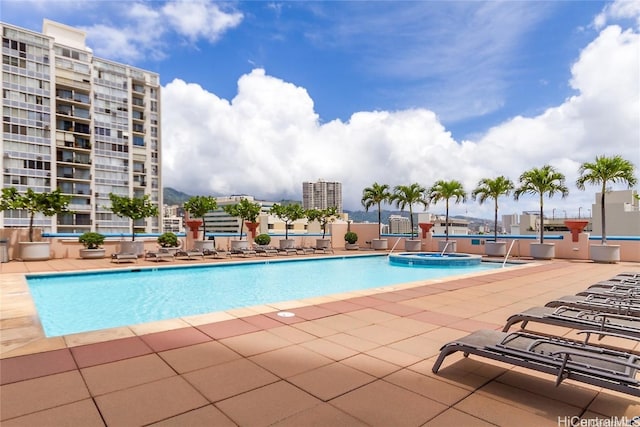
350 237
168 240
263 239
91 240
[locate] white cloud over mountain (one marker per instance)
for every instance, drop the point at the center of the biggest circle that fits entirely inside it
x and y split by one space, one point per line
268 139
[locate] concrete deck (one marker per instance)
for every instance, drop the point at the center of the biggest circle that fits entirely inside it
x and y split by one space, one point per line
361 358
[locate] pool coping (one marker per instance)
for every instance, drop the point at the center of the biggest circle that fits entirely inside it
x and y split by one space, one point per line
29 337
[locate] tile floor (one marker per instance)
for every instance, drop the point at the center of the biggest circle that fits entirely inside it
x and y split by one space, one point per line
361 359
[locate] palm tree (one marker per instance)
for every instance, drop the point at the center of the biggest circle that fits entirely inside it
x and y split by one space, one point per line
541 181
492 189
404 195
444 190
602 171
376 195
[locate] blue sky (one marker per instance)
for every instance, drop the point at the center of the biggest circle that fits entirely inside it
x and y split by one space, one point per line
374 89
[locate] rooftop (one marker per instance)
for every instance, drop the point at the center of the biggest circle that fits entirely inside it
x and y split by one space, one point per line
361 358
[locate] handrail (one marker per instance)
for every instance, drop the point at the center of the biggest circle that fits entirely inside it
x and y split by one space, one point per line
446 245
508 252
394 246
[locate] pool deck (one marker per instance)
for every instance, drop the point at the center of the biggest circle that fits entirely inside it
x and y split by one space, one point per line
353 359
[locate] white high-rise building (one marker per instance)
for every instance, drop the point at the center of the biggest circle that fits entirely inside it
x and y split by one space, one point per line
322 195
85 125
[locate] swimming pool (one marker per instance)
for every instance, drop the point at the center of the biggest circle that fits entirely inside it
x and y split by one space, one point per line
80 302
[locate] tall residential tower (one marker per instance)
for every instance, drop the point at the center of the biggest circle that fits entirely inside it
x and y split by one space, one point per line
85 125
322 195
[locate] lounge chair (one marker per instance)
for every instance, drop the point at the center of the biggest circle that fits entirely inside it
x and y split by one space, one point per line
287 251
124 256
215 253
190 254
566 359
608 304
243 251
612 291
265 250
304 250
161 254
323 250
576 318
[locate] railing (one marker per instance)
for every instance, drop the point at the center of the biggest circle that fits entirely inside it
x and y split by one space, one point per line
509 251
394 246
446 245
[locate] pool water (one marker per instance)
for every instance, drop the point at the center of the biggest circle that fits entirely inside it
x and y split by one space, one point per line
73 303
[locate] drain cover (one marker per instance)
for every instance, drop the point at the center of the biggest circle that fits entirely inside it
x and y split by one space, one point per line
286 314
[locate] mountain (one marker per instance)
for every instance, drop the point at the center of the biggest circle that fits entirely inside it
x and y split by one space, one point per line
174 197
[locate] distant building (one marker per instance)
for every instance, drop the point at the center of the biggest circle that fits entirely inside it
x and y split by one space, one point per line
399 224
322 195
622 211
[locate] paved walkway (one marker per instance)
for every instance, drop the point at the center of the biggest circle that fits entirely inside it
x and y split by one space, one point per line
350 359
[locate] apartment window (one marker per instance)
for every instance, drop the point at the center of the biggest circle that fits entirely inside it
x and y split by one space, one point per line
138 141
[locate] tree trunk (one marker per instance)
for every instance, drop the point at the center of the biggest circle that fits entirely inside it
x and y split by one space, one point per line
604 227
541 219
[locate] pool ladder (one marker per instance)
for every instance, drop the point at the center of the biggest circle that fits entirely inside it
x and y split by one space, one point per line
509 251
394 246
446 245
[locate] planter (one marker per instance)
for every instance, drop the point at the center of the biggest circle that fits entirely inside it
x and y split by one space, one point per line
252 227
204 244
575 227
35 251
92 253
412 245
239 245
606 254
425 227
323 243
171 249
287 243
194 226
450 248
495 248
351 246
542 250
379 244
132 247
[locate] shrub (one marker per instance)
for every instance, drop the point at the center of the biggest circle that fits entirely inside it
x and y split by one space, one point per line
168 240
91 240
263 239
350 237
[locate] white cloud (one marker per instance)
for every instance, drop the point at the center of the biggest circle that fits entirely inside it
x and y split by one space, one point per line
200 18
268 139
619 9
141 28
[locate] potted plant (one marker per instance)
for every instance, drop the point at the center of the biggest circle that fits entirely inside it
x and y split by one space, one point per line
404 195
324 217
134 208
492 189
351 240
262 239
92 243
247 211
169 242
605 170
288 214
47 204
375 196
545 180
445 190
198 206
